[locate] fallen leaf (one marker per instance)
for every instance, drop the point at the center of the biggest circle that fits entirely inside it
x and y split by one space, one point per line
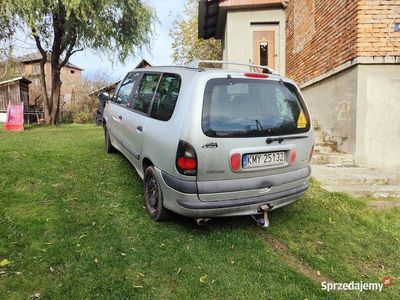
36 295
137 286
4 262
203 279
179 270
3 273
123 254
96 260
141 274
318 273
51 269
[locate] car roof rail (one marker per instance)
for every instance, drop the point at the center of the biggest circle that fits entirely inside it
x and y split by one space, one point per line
195 64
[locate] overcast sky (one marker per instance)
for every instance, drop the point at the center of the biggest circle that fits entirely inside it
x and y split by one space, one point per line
95 63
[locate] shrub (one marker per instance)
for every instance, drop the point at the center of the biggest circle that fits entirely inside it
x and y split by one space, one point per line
83 117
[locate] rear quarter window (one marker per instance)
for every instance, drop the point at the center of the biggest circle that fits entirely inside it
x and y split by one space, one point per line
166 97
238 107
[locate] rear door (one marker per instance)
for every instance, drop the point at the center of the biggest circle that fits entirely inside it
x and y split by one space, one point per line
138 109
252 128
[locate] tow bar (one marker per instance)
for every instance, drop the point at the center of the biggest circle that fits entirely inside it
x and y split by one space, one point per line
263 220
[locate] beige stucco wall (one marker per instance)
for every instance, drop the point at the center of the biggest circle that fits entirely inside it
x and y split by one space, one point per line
333 104
238 37
359 108
378 116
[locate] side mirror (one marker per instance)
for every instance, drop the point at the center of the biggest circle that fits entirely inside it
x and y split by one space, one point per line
104 96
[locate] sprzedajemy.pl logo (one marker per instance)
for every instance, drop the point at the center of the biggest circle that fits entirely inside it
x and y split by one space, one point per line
356 286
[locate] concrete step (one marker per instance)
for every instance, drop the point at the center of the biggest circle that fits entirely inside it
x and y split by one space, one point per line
325 147
333 159
376 191
351 176
319 137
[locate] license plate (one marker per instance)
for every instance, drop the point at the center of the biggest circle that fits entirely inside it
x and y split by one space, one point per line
258 160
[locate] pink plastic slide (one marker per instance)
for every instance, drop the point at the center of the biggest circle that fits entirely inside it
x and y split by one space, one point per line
14 117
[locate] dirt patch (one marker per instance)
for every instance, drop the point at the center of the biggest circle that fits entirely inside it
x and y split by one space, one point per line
291 260
382 204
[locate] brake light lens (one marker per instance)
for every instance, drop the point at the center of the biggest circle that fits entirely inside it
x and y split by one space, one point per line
293 156
186 163
235 162
255 75
186 159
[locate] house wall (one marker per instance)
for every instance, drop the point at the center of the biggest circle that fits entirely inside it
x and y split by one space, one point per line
333 104
70 81
378 111
320 35
238 37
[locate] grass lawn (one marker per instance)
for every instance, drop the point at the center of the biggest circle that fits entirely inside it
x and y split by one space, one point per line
73 226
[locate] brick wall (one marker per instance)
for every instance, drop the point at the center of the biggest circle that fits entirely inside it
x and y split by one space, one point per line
320 35
376 34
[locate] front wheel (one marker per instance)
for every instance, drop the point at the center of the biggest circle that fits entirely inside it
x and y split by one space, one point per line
153 196
107 141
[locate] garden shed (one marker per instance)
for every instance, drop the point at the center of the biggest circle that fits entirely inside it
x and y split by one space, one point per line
15 90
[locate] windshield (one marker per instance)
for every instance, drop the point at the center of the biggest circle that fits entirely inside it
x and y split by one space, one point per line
249 107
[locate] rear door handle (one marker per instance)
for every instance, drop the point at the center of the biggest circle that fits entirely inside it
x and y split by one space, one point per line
120 117
140 128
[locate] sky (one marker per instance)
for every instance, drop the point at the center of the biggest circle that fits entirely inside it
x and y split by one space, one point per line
160 52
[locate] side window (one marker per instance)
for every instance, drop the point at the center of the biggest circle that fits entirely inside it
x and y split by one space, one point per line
146 91
167 94
125 89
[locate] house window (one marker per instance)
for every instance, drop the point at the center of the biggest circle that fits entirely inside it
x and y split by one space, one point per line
72 71
264 53
36 69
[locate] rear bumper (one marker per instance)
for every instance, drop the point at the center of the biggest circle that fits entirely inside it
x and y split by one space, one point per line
181 196
260 200
227 186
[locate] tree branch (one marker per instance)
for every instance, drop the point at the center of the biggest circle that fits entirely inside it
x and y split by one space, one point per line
39 45
69 53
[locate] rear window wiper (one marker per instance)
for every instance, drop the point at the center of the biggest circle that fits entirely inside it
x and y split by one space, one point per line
258 124
280 139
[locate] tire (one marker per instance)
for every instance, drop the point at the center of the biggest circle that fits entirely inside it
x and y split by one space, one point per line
153 197
107 141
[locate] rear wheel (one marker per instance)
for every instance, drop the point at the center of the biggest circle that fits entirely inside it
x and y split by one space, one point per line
107 141
153 196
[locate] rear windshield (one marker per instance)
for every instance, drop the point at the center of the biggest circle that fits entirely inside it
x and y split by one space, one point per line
250 107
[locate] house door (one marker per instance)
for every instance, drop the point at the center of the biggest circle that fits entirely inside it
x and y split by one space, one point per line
264 48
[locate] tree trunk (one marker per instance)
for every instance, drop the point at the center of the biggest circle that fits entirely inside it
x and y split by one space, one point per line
54 116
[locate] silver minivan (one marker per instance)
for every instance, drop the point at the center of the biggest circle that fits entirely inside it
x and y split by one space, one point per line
212 142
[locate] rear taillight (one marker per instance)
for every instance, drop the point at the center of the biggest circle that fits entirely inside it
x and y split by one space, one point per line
256 75
235 162
186 159
293 156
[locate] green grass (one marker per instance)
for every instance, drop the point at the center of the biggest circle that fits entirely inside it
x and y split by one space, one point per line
73 225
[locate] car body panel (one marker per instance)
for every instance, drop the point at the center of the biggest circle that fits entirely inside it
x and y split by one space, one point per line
215 181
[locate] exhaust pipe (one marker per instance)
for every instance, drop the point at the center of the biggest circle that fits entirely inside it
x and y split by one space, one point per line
202 221
263 221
